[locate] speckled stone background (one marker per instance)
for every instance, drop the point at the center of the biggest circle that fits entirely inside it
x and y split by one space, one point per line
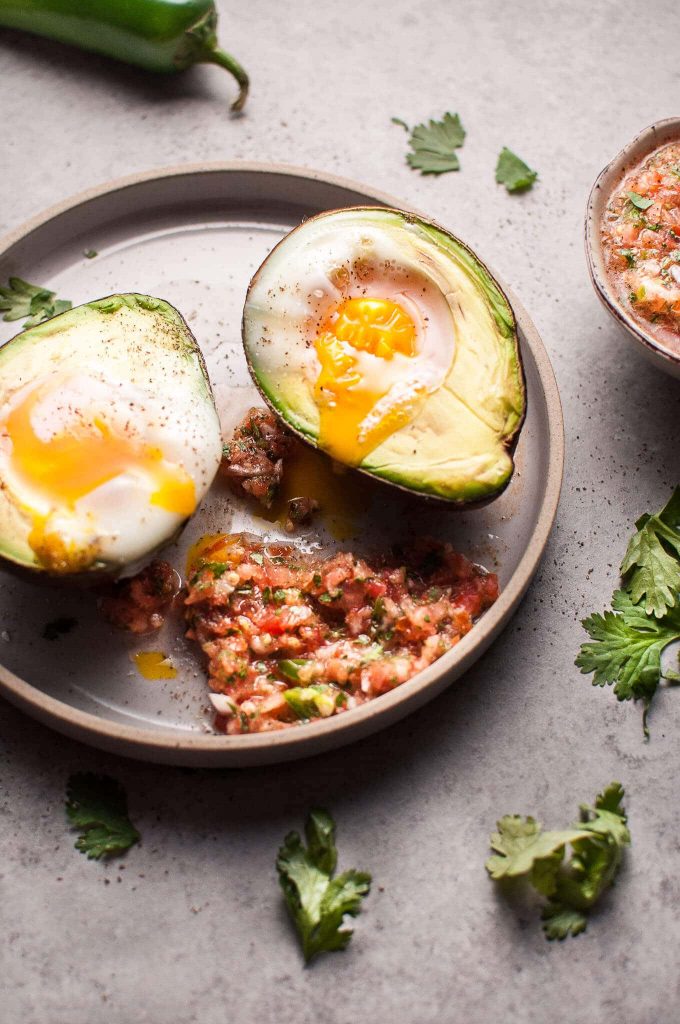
190 926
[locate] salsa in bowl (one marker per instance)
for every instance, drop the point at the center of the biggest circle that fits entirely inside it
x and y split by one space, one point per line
633 241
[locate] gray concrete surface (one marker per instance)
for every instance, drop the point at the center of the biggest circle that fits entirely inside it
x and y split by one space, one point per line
190 926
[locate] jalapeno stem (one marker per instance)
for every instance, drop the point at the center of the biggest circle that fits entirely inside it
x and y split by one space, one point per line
225 60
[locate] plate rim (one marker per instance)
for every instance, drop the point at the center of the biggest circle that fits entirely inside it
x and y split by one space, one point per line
274 747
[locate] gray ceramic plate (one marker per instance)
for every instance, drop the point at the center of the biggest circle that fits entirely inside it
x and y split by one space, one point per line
607 181
195 235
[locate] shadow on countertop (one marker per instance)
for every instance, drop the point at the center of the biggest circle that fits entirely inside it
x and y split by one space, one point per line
96 71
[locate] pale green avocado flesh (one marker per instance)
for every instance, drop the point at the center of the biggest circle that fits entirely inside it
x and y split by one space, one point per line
458 446
123 341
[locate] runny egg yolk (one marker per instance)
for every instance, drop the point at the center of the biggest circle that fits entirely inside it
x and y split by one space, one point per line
211 548
381 328
378 326
154 665
82 457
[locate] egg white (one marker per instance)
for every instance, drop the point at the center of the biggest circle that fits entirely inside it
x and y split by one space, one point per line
327 267
116 519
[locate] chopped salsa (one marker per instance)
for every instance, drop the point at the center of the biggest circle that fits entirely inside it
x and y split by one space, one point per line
140 603
641 243
291 636
300 512
252 460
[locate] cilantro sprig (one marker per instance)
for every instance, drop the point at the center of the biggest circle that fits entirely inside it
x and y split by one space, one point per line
317 899
651 565
97 806
627 643
434 144
627 648
571 887
512 172
21 299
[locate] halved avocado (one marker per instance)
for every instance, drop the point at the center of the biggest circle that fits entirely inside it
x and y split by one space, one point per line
109 437
457 442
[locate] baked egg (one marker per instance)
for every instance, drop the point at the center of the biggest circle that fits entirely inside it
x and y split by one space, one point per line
385 342
109 436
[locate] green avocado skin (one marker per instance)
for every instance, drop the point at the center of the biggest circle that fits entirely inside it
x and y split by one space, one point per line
174 339
473 492
501 408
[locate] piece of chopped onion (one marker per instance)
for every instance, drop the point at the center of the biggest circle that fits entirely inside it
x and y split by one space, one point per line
223 705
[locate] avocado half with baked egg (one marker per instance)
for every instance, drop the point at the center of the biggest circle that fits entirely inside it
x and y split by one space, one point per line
109 437
382 339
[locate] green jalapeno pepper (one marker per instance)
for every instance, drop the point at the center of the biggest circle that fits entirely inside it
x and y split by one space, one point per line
159 35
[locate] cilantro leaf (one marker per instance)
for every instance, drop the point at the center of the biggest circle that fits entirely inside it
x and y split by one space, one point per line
561 921
522 848
596 861
651 565
97 806
626 649
17 299
21 299
513 172
433 145
597 841
318 902
639 201
320 836
342 897
607 816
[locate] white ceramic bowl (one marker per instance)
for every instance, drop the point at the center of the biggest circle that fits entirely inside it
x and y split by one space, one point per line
658 134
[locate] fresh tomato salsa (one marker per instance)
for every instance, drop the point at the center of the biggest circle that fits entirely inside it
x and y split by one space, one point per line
140 603
291 636
641 242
